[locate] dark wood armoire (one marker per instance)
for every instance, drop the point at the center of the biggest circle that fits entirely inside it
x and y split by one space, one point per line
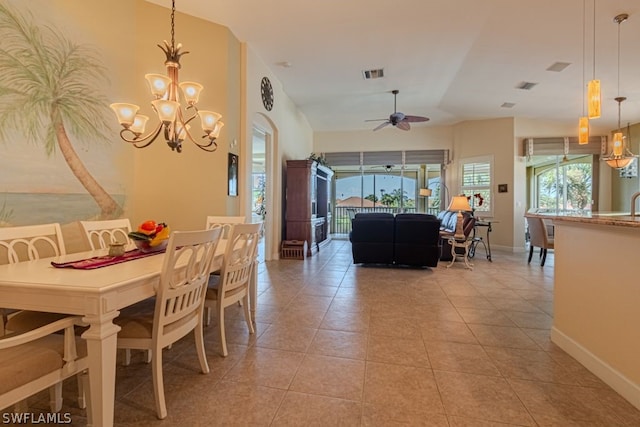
308 203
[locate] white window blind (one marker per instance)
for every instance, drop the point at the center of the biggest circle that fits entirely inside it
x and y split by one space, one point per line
376 158
476 181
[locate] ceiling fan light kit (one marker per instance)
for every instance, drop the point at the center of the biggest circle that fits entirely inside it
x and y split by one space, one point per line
398 119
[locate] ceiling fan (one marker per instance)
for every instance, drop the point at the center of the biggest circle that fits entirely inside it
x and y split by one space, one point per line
398 119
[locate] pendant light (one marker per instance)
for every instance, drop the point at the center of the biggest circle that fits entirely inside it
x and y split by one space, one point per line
583 122
593 88
620 156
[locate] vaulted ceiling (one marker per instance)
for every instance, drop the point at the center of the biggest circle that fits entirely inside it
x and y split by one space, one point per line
451 60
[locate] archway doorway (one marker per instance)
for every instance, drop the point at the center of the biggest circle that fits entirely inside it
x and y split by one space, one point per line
259 184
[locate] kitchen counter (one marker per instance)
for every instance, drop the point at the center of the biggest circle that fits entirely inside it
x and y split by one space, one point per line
597 296
618 219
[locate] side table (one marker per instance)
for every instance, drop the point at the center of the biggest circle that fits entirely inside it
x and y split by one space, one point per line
486 223
465 244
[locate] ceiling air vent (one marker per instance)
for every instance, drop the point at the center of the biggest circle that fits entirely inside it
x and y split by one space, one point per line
508 105
526 85
558 66
373 74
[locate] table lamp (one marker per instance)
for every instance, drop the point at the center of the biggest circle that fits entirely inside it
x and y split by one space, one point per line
425 192
459 203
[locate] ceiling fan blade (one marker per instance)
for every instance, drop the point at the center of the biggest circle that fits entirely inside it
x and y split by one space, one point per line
375 120
404 125
380 126
414 119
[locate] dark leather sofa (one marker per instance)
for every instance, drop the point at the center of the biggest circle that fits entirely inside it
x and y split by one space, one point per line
448 220
403 239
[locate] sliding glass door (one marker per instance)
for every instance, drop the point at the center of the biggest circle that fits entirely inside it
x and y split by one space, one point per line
562 184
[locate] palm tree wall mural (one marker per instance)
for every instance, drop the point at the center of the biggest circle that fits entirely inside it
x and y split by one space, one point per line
49 93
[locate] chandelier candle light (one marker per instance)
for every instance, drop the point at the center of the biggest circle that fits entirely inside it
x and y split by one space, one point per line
172 123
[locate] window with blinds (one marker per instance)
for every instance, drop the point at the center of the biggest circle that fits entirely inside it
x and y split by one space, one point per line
476 176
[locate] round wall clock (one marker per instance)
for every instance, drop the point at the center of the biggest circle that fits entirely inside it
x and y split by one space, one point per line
267 93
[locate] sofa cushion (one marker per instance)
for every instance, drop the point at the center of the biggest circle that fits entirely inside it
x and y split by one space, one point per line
416 240
448 220
372 238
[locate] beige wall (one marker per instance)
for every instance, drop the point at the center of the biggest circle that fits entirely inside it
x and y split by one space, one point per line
182 189
291 137
490 137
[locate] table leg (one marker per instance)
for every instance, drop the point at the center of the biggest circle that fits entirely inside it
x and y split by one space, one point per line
101 348
466 256
453 253
489 243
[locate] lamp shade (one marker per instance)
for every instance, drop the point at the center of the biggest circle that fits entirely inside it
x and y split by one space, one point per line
617 144
593 99
126 113
139 123
425 192
583 130
167 110
158 83
208 119
459 203
620 163
215 132
191 91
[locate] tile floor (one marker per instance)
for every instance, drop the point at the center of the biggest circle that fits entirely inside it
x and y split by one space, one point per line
346 345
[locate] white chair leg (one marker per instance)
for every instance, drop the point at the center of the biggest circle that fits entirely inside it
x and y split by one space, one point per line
149 355
158 386
127 357
87 395
247 314
207 316
202 355
223 338
82 401
55 397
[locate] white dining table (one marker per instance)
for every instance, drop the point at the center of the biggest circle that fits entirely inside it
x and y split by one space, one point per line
97 295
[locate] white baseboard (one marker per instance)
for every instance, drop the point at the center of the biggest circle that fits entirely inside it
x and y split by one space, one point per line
598 367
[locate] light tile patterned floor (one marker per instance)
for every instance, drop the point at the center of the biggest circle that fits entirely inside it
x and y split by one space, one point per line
346 345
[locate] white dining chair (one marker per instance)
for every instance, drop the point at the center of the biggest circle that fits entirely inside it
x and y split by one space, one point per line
232 285
100 234
38 359
179 304
27 243
227 222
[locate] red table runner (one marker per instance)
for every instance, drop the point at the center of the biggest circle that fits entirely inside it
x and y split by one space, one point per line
105 260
